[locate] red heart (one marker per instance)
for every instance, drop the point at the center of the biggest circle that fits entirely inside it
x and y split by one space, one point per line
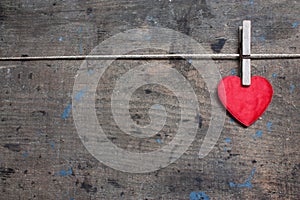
246 104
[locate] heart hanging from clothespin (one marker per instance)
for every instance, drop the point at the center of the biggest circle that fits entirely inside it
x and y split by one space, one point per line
248 97
246 104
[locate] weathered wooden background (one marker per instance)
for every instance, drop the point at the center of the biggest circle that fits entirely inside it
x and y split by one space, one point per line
41 154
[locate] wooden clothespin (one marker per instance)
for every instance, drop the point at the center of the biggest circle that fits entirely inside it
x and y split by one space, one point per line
245 51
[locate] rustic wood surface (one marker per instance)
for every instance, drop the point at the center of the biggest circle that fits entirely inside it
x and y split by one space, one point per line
41 154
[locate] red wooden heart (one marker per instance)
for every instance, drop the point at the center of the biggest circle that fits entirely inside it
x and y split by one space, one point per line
246 104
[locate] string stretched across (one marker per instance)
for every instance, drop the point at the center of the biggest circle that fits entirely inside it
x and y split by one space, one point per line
154 56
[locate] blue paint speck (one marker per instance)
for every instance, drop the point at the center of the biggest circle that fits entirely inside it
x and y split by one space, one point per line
159 141
247 183
269 126
80 29
149 18
61 39
52 145
25 154
90 72
80 94
157 106
65 173
190 61
231 184
67 111
77 97
258 134
199 196
228 140
233 72
251 2
274 75
262 38
148 37
72 199
80 42
295 24
292 88
80 48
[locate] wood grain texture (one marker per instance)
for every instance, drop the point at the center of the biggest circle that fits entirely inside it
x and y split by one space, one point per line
41 154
